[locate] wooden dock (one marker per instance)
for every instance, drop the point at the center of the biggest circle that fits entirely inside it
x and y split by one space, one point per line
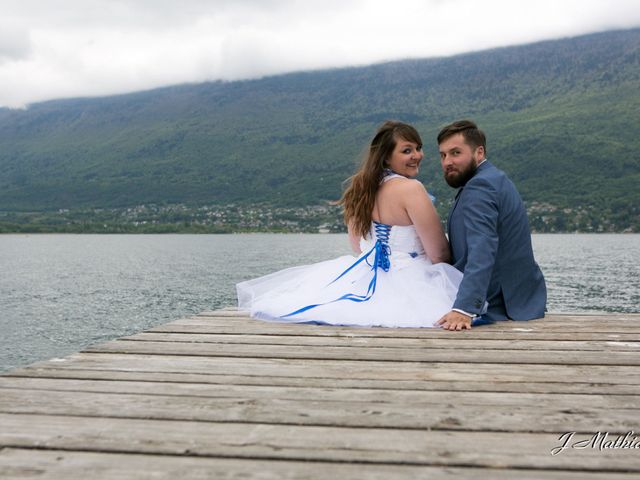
220 395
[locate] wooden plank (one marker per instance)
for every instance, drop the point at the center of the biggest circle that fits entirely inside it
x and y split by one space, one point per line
69 465
309 443
555 357
607 320
474 334
452 385
349 369
451 414
593 345
304 393
248 325
610 320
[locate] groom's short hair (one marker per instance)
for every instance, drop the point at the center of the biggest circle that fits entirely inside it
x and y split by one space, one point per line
472 135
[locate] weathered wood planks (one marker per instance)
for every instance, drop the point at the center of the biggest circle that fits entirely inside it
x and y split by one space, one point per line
222 395
303 442
76 465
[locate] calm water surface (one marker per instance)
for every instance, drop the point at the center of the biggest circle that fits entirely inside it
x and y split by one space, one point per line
60 293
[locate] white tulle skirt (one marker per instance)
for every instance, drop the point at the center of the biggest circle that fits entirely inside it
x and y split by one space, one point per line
413 293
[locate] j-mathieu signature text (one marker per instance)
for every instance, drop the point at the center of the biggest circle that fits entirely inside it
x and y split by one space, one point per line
598 441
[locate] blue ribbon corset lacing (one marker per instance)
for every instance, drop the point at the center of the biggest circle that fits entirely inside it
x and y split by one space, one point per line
380 252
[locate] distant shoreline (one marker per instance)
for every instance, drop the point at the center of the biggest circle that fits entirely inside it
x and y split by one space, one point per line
263 218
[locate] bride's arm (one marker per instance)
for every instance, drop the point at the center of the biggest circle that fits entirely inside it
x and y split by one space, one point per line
426 220
354 240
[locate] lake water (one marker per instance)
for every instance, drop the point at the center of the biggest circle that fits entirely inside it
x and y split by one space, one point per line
61 293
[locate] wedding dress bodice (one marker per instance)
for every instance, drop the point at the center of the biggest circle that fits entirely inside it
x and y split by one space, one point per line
400 239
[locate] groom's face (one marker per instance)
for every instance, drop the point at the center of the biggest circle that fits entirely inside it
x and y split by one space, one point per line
459 160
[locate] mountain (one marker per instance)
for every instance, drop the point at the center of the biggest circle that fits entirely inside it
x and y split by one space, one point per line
562 118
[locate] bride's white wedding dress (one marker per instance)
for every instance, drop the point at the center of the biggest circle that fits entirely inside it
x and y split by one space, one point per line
391 284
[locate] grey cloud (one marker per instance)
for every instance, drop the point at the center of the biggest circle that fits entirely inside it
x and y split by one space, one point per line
14 43
55 48
155 13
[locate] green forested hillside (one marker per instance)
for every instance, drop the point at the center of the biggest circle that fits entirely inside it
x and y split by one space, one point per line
562 118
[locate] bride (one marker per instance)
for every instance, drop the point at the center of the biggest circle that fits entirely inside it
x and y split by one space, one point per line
400 277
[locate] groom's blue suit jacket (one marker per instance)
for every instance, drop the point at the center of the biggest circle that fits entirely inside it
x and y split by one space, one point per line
491 244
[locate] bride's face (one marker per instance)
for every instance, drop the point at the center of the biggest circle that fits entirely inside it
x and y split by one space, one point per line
406 157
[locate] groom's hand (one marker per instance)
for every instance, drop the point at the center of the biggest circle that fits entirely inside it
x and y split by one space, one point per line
455 321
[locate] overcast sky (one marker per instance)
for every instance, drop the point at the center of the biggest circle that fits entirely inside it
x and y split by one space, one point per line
69 48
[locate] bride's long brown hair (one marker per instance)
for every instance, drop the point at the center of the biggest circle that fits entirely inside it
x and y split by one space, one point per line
360 195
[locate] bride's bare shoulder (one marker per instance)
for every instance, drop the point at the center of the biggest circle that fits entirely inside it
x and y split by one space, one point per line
404 185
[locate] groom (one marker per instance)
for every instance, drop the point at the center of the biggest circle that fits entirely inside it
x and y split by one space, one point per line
489 236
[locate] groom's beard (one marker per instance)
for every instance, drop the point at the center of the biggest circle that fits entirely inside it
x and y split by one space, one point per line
460 179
